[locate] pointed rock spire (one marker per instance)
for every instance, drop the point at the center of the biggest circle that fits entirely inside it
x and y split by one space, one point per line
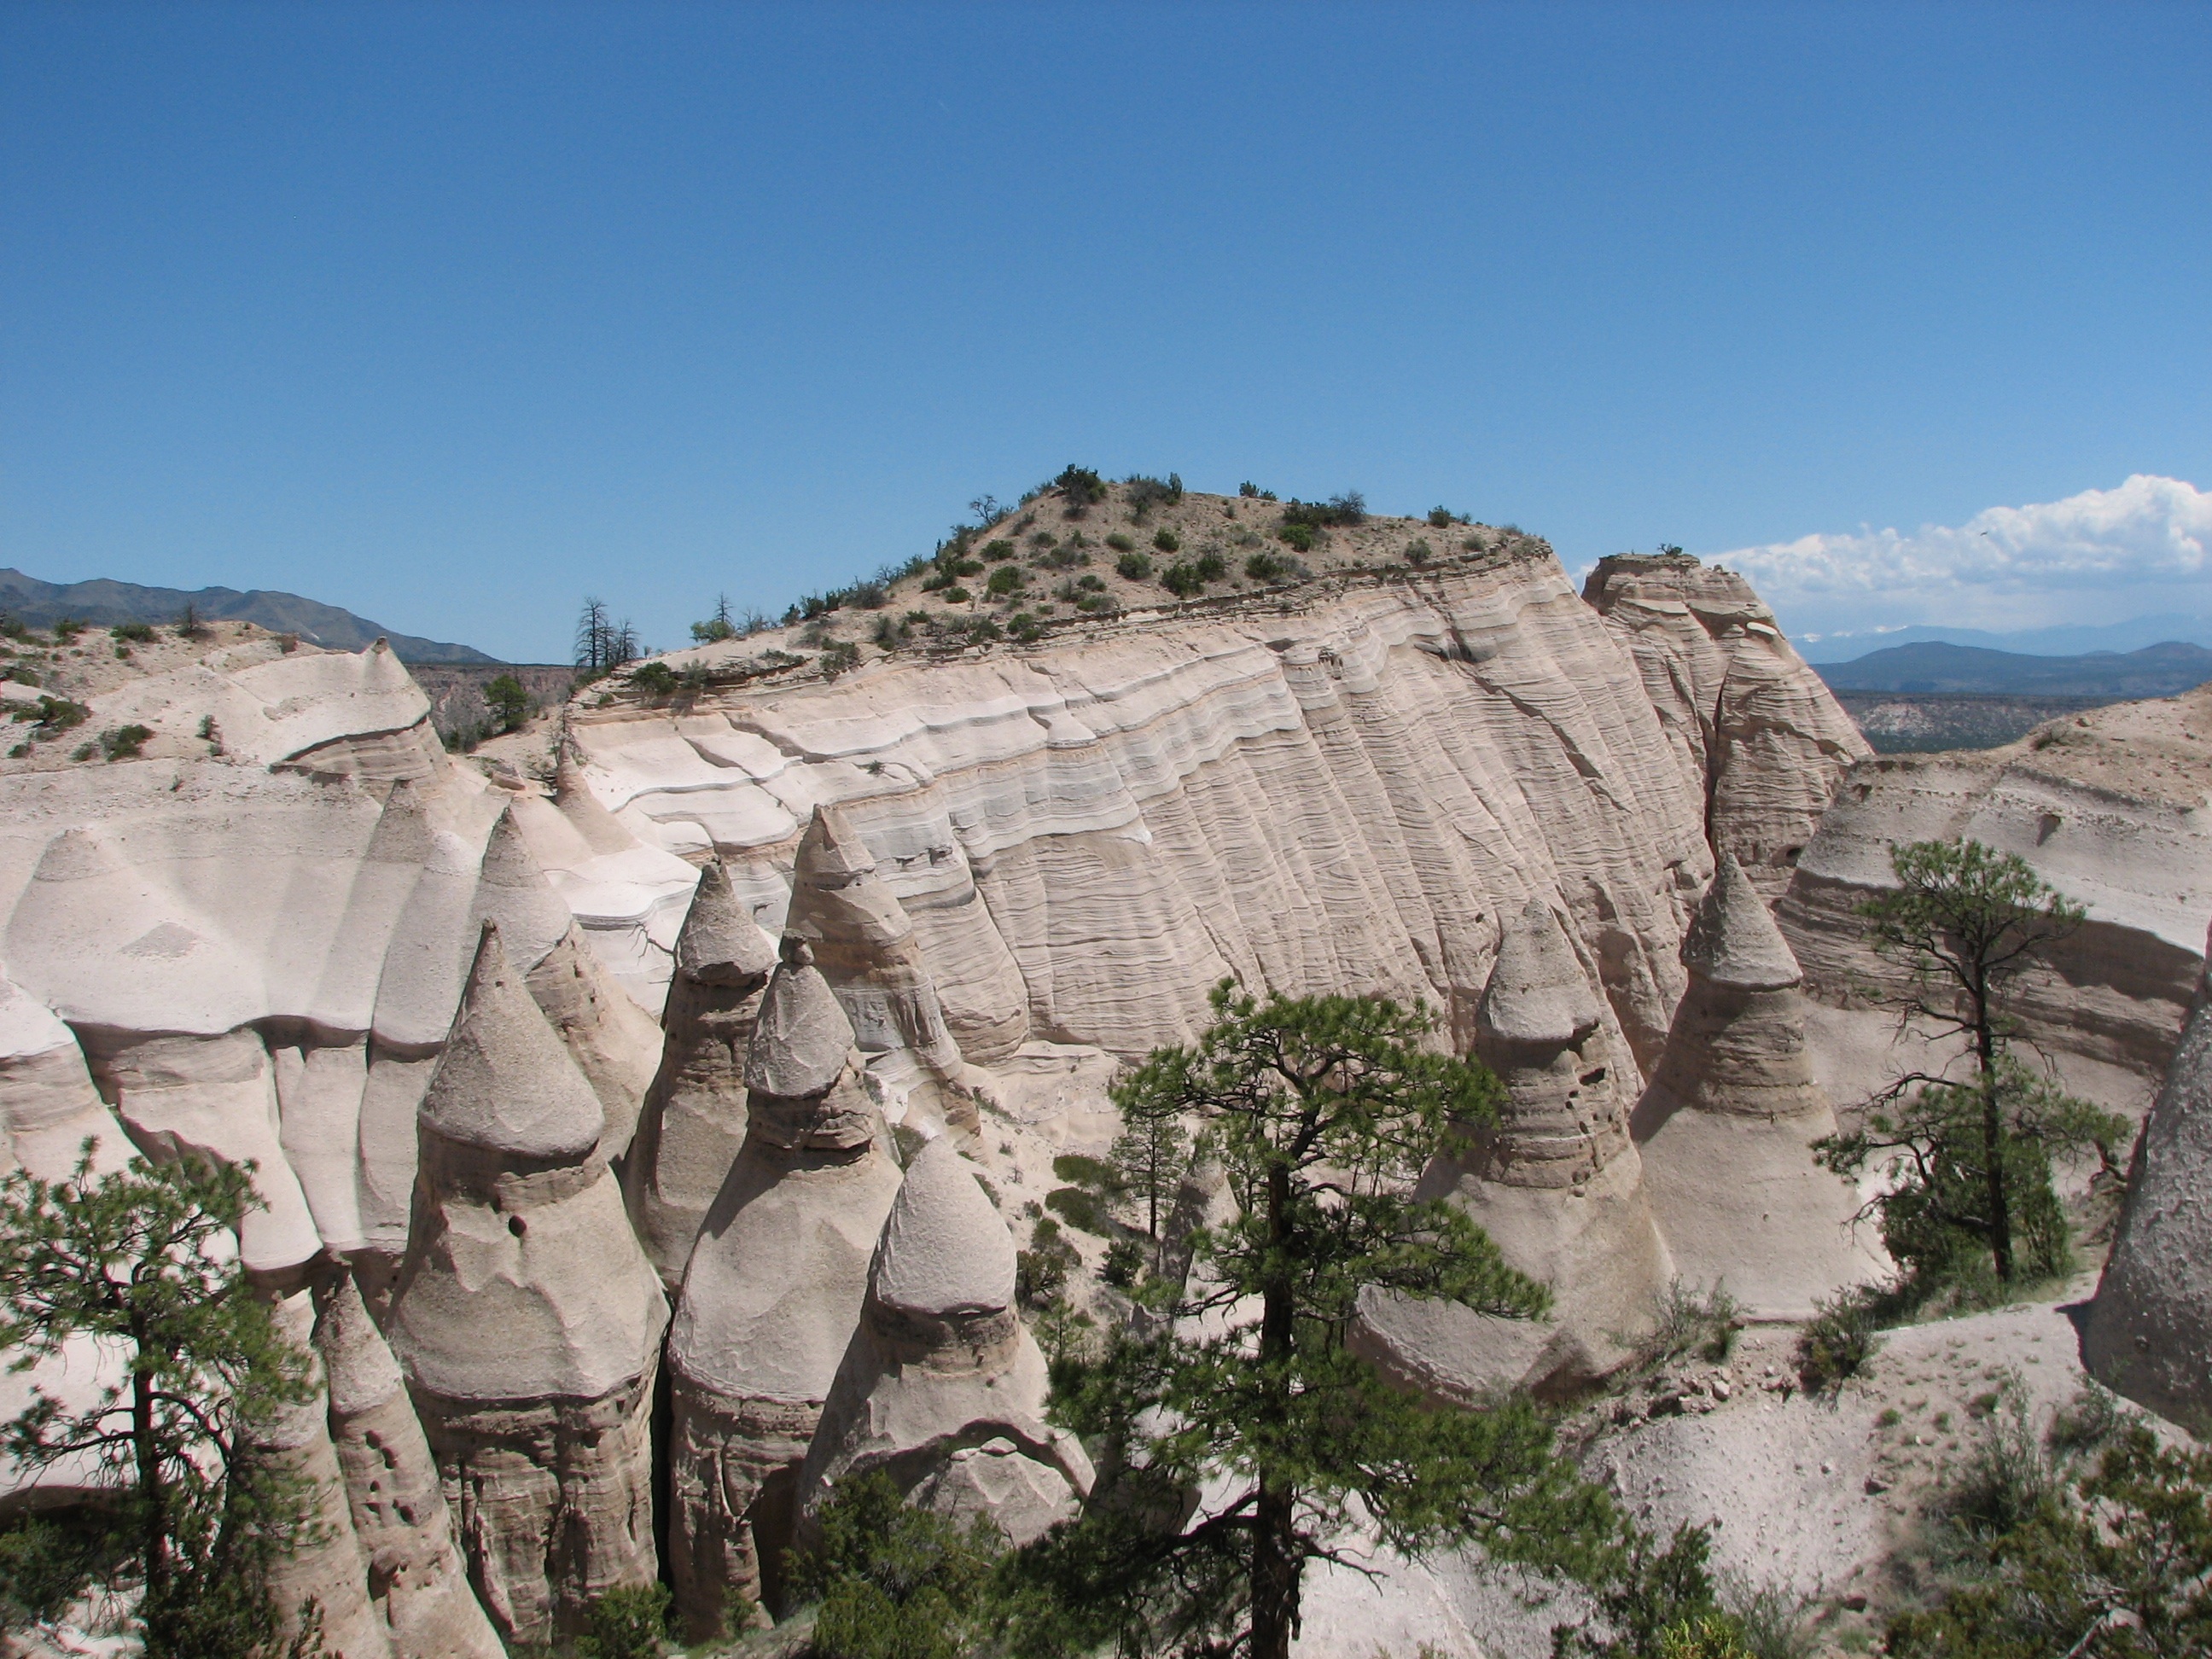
1733 940
944 1250
398 1510
1538 995
507 1084
1727 1126
802 1038
694 1123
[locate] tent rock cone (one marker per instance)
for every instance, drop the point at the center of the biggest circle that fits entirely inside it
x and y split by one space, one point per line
1727 1126
771 1296
694 1123
416 1575
526 1318
1557 1184
943 1388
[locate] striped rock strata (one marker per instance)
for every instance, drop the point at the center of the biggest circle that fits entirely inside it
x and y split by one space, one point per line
1726 1127
526 1318
771 1297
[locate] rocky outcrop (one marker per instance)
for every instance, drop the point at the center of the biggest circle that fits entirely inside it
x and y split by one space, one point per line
1727 1126
416 1579
1557 1184
2107 807
48 1106
943 1389
694 1113
2149 1335
771 1298
526 1318
325 1570
1339 787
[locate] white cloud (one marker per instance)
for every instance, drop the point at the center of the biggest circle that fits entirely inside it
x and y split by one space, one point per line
2103 556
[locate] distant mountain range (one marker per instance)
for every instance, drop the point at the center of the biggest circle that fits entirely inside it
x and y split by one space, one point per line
2065 642
1935 668
103 602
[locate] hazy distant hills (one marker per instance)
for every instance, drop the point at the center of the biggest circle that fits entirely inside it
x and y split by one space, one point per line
103 602
1931 668
2066 640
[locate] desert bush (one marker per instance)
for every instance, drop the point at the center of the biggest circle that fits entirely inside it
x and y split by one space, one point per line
1024 627
1300 536
1080 489
1135 567
52 716
1005 580
631 1622
1265 567
1252 492
1167 540
66 628
1080 1208
655 679
1419 552
1209 567
1125 1261
956 596
1144 494
1839 1341
998 551
1687 1324
841 657
893 1582
1440 518
1182 578
1041 1270
508 698
1120 542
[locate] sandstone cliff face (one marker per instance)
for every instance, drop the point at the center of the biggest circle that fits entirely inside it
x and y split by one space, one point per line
2107 806
1752 725
1344 787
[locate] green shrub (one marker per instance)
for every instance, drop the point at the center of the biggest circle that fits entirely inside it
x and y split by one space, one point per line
1686 1324
841 656
1265 567
1080 1209
1167 540
1419 552
1348 509
1838 1341
1300 536
1005 580
67 629
508 699
1080 487
1440 518
629 1623
1210 568
1143 493
1183 579
956 596
1041 1270
893 1582
1022 626
999 552
1252 492
713 629
655 679
53 716
1136 567
1083 1170
1125 1261
124 742
1120 542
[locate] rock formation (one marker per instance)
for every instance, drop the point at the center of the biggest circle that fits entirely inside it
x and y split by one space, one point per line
2150 1328
1726 1127
1557 1184
942 1388
416 1579
325 1564
1748 721
773 1293
527 1319
694 1123
48 1106
2107 807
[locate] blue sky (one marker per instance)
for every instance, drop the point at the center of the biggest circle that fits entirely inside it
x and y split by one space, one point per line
452 314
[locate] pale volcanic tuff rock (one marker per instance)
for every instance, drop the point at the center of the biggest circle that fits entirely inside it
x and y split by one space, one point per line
943 1388
48 1106
1748 721
416 1579
1338 787
771 1296
305 878
1557 1184
693 1124
2149 1335
1727 1125
326 1567
527 1319
2108 807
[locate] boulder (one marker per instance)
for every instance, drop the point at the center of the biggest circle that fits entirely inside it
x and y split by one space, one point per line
417 1578
2150 1328
526 1318
694 1123
1727 1125
770 1300
941 1365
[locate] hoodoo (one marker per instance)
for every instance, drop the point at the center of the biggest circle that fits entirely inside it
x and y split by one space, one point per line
416 1577
694 1123
1726 1127
324 1565
526 1318
2150 1328
1557 1184
866 944
772 1297
943 1388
